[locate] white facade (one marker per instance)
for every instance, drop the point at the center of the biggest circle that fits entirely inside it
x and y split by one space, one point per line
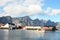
32 27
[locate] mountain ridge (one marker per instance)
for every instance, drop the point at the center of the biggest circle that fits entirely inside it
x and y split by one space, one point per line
36 22
26 21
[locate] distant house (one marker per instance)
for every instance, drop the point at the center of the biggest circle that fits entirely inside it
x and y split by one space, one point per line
33 28
18 24
8 25
45 28
49 28
5 26
12 26
1 24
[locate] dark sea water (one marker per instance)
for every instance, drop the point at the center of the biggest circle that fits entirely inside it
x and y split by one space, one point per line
28 35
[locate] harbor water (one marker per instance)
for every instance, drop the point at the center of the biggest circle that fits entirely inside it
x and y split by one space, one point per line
28 35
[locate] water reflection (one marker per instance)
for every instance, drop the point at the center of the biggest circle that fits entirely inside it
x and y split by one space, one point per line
24 35
33 34
1 35
28 35
6 33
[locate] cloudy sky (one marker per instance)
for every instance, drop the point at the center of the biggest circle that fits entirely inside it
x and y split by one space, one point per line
42 9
